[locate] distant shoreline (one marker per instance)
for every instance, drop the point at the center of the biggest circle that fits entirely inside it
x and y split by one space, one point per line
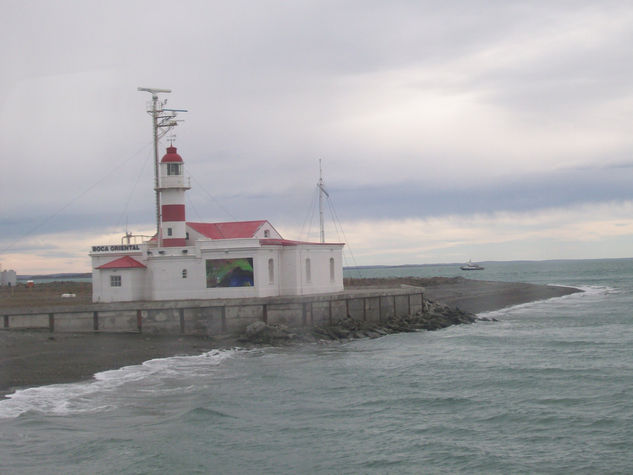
457 264
56 277
86 275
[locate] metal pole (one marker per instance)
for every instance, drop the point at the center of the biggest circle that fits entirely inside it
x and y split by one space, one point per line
154 92
156 182
321 202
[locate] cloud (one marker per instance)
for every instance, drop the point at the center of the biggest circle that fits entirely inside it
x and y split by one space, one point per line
419 110
591 230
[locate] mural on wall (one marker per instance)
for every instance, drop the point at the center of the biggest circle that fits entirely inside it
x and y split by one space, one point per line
230 272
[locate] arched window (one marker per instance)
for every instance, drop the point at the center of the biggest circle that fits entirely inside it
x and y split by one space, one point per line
271 271
331 269
308 271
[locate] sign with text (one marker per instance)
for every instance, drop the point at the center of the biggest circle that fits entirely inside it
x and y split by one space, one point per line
116 248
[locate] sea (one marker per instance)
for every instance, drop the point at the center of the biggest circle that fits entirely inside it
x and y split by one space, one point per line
547 388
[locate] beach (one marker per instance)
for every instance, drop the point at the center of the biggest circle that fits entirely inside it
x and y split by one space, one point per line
33 358
478 296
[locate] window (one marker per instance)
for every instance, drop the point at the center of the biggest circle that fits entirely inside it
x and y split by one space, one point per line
331 269
173 169
169 232
115 281
308 271
266 233
184 273
271 271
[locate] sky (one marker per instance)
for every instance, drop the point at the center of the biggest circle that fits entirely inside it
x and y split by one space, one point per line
447 130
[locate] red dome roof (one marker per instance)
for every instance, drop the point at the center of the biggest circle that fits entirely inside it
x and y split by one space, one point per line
171 156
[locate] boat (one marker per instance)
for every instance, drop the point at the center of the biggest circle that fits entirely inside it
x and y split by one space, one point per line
470 266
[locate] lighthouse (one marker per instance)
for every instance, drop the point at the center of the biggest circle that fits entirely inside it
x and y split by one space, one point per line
202 260
172 198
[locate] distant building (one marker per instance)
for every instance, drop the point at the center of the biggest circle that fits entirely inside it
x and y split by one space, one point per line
189 260
8 278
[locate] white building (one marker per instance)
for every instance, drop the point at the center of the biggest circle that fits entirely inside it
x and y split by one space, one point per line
8 278
211 260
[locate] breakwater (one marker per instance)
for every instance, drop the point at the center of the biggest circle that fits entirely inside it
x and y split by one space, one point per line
220 316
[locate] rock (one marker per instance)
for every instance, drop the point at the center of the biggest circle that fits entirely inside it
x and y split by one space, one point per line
255 328
320 332
259 332
340 332
487 319
434 316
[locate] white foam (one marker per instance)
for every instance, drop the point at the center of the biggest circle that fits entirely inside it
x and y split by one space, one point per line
95 395
597 290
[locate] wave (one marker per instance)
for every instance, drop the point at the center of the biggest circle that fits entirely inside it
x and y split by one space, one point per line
96 395
199 414
595 290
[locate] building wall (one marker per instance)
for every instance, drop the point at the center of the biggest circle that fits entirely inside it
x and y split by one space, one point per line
166 282
290 279
296 280
101 289
193 236
277 270
177 229
132 285
8 277
267 275
176 181
165 279
319 279
219 317
267 231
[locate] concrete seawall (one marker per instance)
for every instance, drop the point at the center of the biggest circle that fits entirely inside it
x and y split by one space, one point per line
218 317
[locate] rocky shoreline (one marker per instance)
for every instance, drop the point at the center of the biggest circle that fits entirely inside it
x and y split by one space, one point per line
434 316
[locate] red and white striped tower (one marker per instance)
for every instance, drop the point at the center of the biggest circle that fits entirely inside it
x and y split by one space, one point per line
172 198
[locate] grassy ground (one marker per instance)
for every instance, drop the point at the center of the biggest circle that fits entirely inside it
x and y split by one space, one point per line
46 294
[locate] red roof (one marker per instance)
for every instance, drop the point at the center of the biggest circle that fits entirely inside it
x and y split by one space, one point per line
236 230
171 156
125 262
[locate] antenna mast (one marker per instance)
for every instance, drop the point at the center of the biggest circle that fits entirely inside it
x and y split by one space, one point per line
162 121
322 192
